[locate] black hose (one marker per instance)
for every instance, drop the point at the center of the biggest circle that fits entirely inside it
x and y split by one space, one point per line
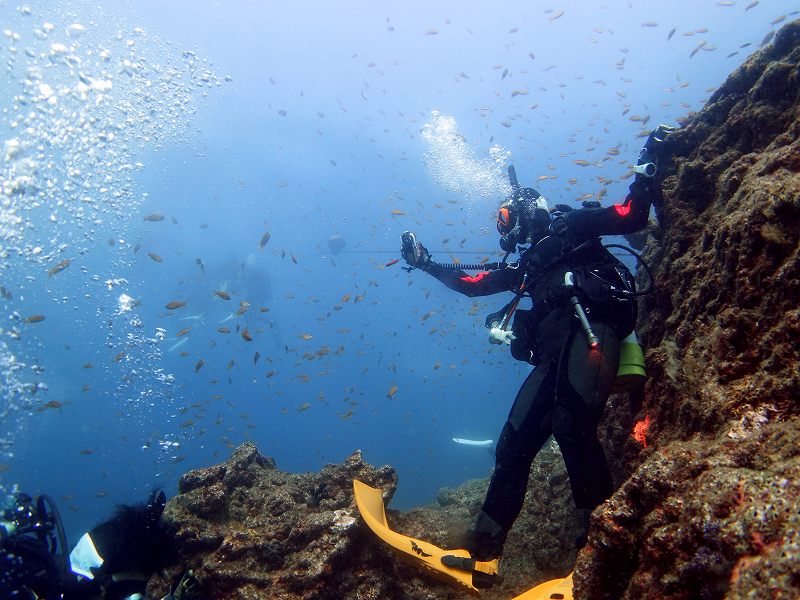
652 287
62 536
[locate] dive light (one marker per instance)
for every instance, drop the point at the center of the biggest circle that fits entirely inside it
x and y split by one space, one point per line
594 341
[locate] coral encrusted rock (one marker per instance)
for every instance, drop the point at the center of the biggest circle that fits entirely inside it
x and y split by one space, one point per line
712 508
249 530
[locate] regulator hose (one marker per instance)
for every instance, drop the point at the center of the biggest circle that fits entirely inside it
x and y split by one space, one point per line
650 288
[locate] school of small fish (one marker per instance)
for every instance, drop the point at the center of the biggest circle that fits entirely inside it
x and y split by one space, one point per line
239 340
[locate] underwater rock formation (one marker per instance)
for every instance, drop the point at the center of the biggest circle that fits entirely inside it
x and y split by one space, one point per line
712 508
249 530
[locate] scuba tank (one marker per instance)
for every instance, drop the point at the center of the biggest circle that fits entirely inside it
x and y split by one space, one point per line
631 374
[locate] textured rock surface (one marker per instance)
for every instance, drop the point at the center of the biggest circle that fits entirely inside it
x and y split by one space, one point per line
252 531
249 530
711 510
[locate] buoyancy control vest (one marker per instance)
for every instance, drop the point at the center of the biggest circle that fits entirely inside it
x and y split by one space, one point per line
604 285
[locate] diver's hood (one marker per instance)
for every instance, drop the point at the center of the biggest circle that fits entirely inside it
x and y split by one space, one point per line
531 219
537 224
531 195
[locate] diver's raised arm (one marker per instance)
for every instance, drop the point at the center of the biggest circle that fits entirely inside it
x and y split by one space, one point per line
482 283
632 214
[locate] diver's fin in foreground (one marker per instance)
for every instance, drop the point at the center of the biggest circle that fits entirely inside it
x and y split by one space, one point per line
423 554
557 589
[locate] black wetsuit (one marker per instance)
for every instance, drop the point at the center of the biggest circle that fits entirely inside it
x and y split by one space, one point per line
566 393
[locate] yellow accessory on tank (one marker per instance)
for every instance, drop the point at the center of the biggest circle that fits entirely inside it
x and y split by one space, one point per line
631 374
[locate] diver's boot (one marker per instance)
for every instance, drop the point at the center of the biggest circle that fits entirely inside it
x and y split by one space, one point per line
584 514
484 542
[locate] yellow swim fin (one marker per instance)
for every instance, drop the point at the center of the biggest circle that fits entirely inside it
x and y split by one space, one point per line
557 589
419 552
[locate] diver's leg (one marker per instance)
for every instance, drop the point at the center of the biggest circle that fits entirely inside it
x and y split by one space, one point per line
585 378
525 432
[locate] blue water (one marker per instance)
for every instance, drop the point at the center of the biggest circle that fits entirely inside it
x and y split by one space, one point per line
305 120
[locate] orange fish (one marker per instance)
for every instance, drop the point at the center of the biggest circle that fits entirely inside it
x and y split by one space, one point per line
392 391
155 257
183 332
222 294
35 319
246 335
175 304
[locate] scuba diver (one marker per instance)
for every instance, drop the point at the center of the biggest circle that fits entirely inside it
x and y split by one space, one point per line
584 305
113 561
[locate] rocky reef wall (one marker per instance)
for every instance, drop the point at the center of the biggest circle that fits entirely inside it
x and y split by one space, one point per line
712 509
249 530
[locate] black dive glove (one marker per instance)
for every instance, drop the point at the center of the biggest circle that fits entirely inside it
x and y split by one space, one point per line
646 166
413 252
155 508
